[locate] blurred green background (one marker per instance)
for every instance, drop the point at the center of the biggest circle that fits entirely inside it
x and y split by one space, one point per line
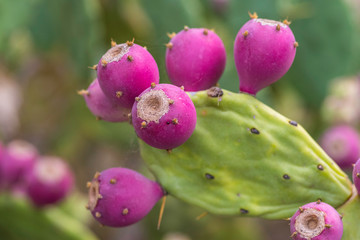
47 46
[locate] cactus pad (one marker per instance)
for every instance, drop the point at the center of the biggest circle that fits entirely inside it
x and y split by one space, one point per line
246 159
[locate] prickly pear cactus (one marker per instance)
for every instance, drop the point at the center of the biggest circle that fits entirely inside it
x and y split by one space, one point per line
246 159
350 212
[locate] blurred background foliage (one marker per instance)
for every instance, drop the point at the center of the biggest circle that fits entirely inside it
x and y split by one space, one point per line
47 46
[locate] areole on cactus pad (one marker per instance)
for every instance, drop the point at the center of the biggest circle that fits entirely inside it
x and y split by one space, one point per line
246 159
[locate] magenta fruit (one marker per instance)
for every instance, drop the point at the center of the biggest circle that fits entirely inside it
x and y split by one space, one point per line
126 70
164 116
195 58
316 221
356 175
264 50
50 181
101 106
341 143
18 157
119 197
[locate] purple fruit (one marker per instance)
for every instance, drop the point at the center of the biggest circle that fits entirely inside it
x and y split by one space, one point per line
50 181
101 106
18 157
342 143
119 197
316 221
126 70
264 51
356 175
164 116
195 59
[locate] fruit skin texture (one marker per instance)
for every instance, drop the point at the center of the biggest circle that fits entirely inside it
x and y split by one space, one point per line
49 181
331 217
173 126
342 143
18 158
119 197
356 175
264 55
102 107
127 73
196 59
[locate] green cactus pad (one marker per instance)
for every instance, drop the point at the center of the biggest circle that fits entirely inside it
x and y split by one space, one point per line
246 159
351 212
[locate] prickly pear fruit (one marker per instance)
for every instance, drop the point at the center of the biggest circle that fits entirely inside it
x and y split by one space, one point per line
119 197
101 106
19 157
246 159
356 175
49 181
264 50
195 58
341 143
126 70
164 116
316 221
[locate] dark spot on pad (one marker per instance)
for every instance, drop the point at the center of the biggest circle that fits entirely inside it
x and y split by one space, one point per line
243 211
293 123
254 131
215 92
285 176
209 176
320 167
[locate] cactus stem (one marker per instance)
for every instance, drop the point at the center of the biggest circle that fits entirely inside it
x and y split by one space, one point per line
113 43
286 177
83 92
246 33
201 216
97 214
125 211
175 121
243 211
103 62
113 181
253 15
254 131
293 123
278 27
287 22
206 32
320 167
186 28
296 44
171 35
137 99
119 94
161 211
328 225
130 58
94 67
169 45
182 88
209 176
143 124
130 43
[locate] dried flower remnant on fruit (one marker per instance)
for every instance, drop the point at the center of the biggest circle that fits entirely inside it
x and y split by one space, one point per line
153 105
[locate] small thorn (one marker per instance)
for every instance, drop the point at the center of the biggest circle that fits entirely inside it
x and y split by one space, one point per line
213 30
103 62
88 184
119 94
328 225
253 15
318 201
169 150
246 33
206 32
97 214
293 234
145 47
130 43
296 44
143 124
137 99
97 175
287 22
201 216
113 181
98 118
83 92
171 102
94 67
320 167
358 175
287 219
153 85
353 165
182 88
125 211
301 209
169 45
100 196
171 35
341 216
175 121
113 43
278 27
87 206
130 58
186 28
101 225
161 211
